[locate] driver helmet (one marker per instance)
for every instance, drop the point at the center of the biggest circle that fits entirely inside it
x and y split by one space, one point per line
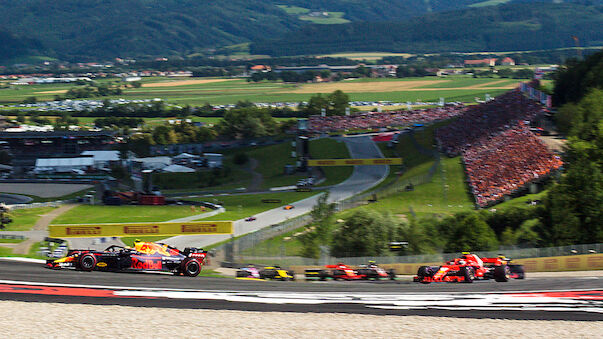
462 262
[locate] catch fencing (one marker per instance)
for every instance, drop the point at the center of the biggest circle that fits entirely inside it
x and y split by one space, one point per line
513 253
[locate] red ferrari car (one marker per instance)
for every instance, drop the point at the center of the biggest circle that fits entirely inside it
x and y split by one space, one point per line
144 256
335 272
470 267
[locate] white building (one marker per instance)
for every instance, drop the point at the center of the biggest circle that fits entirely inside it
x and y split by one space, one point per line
63 165
102 158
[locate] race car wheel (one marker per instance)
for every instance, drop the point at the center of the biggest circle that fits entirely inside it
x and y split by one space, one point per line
517 271
424 271
242 274
191 267
323 275
468 273
87 262
391 274
502 273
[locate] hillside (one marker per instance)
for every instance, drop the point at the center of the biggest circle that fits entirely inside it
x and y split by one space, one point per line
509 27
78 30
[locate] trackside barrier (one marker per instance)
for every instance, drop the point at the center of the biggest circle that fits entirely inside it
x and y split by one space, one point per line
563 258
42 204
140 229
582 262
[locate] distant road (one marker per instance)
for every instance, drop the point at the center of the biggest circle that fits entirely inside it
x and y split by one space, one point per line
362 179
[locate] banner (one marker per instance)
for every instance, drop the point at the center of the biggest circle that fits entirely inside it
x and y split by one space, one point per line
353 162
140 229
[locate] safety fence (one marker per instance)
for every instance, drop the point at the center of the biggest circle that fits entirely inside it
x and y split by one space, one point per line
513 253
42 204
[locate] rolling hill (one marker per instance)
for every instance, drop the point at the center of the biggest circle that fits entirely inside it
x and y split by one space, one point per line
79 30
509 27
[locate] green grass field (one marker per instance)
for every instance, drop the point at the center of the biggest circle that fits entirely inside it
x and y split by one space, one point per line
229 91
25 219
88 214
331 19
240 206
331 149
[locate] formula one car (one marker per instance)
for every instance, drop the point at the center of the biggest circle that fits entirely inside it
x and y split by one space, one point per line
470 267
250 218
145 256
373 271
248 272
335 272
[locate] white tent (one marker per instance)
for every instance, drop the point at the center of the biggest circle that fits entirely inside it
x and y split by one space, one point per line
63 164
177 169
185 156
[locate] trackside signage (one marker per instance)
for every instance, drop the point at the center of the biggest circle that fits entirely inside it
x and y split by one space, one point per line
353 162
140 229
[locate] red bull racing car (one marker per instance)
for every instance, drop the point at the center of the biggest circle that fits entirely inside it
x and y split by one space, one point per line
470 267
144 256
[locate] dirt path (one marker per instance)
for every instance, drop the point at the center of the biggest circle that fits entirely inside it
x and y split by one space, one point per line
256 178
41 226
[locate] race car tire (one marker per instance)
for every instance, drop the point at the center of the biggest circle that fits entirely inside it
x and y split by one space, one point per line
87 262
292 274
424 271
323 275
468 273
191 267
242 274
391 274
502 273
518 270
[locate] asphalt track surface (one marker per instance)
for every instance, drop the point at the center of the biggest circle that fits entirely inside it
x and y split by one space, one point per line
483 299
362 179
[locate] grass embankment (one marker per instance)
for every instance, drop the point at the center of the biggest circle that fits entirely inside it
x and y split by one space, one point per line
331 149
25 219
88 214
240 206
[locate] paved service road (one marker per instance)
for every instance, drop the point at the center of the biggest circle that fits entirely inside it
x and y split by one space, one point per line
362 179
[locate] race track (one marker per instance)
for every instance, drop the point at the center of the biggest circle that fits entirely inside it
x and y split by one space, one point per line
362 179
516 299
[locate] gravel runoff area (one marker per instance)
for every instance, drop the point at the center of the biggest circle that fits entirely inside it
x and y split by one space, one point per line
41 189
54 320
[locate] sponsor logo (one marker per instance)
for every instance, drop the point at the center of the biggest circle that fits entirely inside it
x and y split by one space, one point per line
272 201
102 264
83 230
149 264
141 229
326 162
203 228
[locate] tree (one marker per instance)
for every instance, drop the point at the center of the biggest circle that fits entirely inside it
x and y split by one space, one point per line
30 100
321 230
364 233
338 102
467 232
316 104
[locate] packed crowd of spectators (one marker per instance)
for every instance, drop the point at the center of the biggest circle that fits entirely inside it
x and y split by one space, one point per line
506 163
320 124
486 120
500 153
